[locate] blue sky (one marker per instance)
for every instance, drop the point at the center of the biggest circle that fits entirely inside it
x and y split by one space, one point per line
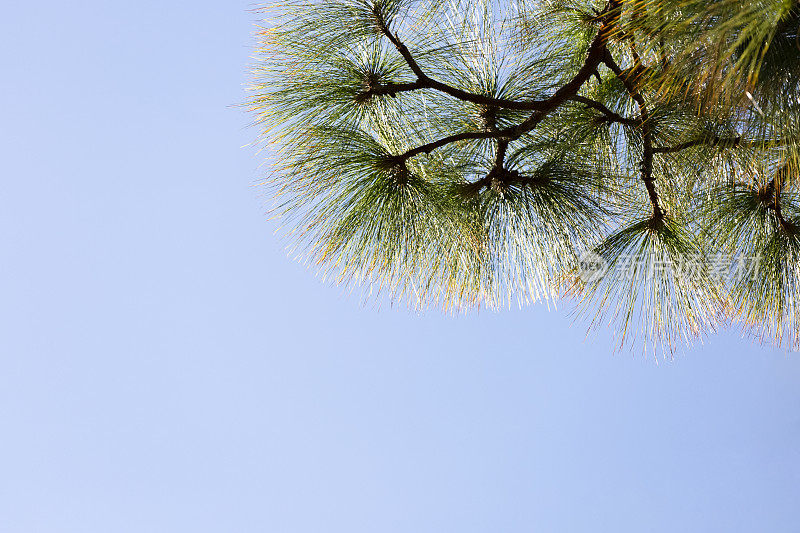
166 367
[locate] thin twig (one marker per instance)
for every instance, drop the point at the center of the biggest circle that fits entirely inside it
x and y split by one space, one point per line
647 131
610 115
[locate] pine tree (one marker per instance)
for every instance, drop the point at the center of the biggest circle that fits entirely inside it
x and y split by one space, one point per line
638 158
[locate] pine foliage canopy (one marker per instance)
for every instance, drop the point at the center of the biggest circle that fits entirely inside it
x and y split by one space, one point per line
468 153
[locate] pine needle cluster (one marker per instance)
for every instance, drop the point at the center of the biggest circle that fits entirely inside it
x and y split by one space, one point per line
638 158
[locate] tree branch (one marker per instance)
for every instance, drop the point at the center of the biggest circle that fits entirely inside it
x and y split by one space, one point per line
647 132
610 115
465 136
772 198
426 82
597 52
498 176
386 89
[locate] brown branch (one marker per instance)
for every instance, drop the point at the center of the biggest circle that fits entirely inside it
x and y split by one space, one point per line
426 82
597 52
610 115
500 156
771 196
465 136
384 27
499 176
385 89
647 131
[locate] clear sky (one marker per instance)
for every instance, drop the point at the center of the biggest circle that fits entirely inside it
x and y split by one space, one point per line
166 368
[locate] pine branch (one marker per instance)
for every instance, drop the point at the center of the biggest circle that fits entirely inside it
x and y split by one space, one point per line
386 89
432 231
426 82
771 196
610 115
597 52
498 177
466 136
647 131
